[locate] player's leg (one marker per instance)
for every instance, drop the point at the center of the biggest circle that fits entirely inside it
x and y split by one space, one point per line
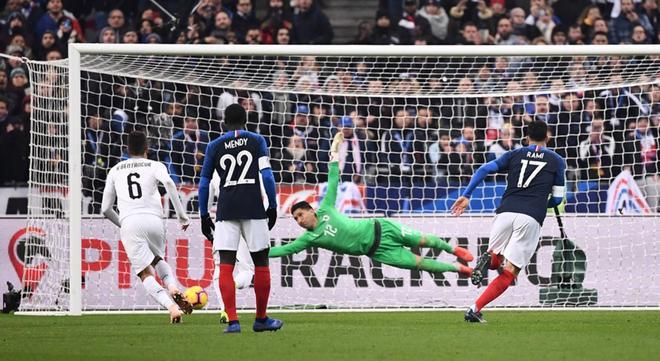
158 293
255 232
518 252
244 270
500 232
216 287
225 242
135 233
413 238
401 257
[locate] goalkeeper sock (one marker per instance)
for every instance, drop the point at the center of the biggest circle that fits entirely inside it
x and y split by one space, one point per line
494 290
434 266
157 291
164 271
495 260
228 290
262 289
435 242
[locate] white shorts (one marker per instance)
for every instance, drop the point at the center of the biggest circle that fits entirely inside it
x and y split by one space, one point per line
515 236
228 234
143 236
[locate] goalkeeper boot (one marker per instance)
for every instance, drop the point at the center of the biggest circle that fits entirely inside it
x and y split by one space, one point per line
182 302
464 270
234 327
267 324
472 316
481 268
463 254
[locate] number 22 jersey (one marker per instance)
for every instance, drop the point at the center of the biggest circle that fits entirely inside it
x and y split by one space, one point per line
238 157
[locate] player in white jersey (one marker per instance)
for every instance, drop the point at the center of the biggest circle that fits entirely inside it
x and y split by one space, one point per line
134 183
244 270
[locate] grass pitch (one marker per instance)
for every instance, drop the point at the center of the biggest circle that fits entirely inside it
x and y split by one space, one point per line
508 335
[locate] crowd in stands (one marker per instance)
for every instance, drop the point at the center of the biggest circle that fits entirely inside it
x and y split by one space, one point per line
388 140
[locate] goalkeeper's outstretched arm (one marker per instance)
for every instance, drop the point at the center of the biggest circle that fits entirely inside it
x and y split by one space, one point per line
333 172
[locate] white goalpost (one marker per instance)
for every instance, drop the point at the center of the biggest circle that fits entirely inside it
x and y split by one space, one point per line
419 121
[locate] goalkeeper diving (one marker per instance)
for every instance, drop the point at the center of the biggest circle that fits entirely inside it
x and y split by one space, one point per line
382 240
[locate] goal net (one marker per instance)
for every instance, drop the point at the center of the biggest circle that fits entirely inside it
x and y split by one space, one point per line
418 121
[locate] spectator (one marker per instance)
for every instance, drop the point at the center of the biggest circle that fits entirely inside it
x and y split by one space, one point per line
188 147
363 33
505 143
253 36
641 150
569 12
624 23
108 35
130 37
470 35
294 166
302 126
14 151
311 25
244 18
596 153
558 36
587 19
439 153
54 54
639 35
412 26
599 38
396 145
520 28
16 24
48 42
505 36
4 114
283 36
425 134
117 23
471 11
277 18
438 19
51 20
461 163
351 152
382 33
651 14
100 153
575 35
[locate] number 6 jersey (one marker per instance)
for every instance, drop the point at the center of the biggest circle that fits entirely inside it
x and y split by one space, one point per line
135 182
238 157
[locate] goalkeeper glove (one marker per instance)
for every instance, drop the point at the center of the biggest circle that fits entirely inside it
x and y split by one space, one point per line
208 227
272 217
334 148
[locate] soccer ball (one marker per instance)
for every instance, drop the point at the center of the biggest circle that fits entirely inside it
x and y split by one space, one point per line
197 297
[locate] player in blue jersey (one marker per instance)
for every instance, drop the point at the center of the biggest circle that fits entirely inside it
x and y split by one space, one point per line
241 159
533 173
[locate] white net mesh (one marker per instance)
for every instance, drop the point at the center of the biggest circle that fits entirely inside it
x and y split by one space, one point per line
417 129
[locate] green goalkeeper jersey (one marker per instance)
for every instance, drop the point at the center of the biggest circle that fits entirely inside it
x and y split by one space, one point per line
334 231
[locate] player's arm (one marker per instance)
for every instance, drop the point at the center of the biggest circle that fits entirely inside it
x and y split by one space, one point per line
203 192
173 194
269 182
482 172
296 246
109 196
333 172
559 185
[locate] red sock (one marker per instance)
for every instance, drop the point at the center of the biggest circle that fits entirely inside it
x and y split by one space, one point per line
495 260
262 289
495 289
228 290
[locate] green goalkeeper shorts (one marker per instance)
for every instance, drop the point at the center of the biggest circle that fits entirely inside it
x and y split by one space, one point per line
393 241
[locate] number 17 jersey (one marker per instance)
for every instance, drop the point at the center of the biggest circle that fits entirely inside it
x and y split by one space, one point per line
532 171
238 157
